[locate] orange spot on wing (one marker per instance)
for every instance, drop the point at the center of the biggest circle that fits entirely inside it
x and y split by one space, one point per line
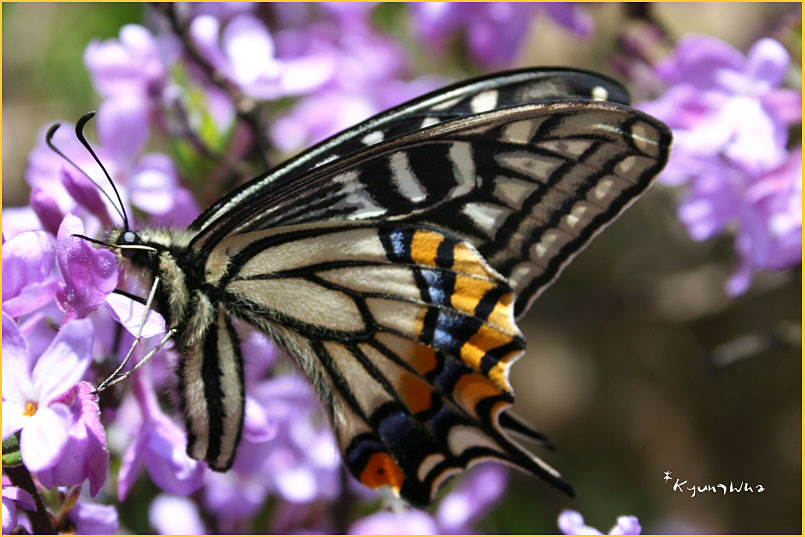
424 247
465 260
502 313
472 388
468 292
486 338
381 470
498 371
423 359
415 393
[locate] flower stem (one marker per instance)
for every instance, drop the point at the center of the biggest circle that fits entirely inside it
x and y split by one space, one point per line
40 519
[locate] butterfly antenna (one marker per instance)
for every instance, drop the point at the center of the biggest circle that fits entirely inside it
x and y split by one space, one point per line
49 141
79 132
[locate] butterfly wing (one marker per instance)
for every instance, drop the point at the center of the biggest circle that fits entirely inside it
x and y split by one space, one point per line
497 91
528 186
405 330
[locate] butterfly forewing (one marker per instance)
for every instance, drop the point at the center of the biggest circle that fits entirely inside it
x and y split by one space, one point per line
528 186
463 99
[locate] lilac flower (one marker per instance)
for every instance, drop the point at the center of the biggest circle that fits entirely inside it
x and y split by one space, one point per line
12 497
29 281
478 492
572 523
160 445
93 519
494 31
730 123
32 389
171 515
86 455
243 51
90 274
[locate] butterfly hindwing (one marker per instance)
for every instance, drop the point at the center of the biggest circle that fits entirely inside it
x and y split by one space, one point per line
407 332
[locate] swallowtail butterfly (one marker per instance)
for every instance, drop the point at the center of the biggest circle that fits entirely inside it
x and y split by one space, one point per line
391 262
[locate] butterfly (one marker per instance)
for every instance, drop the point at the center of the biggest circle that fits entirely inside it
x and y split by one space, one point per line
391 262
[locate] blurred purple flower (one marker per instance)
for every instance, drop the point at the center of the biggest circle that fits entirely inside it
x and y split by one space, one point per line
472 498
12 497
572 523
730 123
159 444
243 51
86 455
494 31
93 519
171 515
29 281
90 274
32 391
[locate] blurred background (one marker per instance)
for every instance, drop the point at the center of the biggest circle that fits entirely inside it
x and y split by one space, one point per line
639 363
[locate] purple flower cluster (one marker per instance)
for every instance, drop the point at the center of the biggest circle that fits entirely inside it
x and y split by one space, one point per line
731 119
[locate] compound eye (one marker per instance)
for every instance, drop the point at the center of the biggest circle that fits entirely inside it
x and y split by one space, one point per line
129 237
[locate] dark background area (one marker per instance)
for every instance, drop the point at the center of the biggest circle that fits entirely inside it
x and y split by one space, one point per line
638 362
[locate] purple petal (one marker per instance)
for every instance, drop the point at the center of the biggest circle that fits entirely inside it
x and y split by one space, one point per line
784 105
17 365
123 126
409 522
153 184
126 66
17 220
64 362
257 425
15 416
481 489
94 519
44 436
86 454
184 211
626 525
570 16
249 47
130 465
170 515
20 496
28 282
572 523
47 210
204 31
89 274
9 514
170 467
85 193
767 60
701 60
130 314
232 496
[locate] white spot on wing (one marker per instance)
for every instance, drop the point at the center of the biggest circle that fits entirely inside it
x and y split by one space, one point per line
485 215
600 93
463 168
372 138
428 121
513 191
428 464
404 180
484 101
462 437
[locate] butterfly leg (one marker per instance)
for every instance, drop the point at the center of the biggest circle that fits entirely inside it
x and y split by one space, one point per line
111 381
108 382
